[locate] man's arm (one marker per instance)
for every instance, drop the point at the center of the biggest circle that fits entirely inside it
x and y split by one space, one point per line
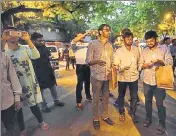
89 57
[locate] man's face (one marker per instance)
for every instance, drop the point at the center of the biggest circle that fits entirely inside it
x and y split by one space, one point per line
168 42
105 32
39 42
151 42
128 40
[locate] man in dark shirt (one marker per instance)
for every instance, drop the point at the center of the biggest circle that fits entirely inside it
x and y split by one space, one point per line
44 71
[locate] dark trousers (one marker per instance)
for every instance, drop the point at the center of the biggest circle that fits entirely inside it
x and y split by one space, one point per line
35 110
133 87
160 94
67 63
83 76
7 117
72 60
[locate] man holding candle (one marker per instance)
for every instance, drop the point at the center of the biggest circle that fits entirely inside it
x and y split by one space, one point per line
100 59
152 57
126 59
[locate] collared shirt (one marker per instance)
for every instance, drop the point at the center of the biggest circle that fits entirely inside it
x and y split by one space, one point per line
99 51
127 58
10 85
147 56
80 50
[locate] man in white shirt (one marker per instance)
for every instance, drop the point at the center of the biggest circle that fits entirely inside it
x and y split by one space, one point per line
82 69
152 57
126 59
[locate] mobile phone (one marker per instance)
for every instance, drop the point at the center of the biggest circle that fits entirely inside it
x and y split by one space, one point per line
15 33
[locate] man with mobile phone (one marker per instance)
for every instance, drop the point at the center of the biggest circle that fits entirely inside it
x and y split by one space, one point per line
126 58
11 91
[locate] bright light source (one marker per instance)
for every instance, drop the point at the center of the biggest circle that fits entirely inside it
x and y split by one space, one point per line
168 15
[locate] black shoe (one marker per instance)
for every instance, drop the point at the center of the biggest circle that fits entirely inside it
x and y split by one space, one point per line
58 103
134 119
89 99
108 121
147 122
96 124
46 109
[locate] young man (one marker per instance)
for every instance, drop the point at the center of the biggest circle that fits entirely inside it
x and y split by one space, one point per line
11 91
82 69
152 57
66 56
100 59
126 59
44 72
173 52
167 41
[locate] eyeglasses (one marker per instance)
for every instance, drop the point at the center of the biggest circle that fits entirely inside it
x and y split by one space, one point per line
107 30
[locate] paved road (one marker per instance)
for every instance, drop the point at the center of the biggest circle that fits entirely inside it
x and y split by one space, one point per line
68 121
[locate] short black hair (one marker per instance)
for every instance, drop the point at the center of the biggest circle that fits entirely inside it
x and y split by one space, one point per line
100 28
125 30
36 35
127 34
150 34
166 38
10 27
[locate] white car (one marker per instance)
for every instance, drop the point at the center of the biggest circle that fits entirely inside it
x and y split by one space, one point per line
55 55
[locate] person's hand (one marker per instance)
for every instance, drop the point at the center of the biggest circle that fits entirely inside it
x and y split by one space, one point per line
101 62
88 32
6 36
160 62
18 105
126 67
147 65
25 36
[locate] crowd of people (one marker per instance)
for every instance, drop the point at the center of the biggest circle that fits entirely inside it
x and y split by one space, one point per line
27 72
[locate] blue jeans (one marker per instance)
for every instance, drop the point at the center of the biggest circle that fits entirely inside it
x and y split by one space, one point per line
133 87
160 94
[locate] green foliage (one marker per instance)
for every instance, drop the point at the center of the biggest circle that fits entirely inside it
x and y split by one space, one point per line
139 16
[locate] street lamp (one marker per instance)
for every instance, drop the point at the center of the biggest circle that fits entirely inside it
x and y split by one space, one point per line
169 15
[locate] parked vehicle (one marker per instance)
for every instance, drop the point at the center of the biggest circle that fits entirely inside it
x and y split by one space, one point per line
55 56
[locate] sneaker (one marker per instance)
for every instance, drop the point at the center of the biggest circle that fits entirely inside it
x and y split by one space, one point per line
116 103
109 121
147 122
59 103
46 109
96 124
44 126
79 106
111 95
89 99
